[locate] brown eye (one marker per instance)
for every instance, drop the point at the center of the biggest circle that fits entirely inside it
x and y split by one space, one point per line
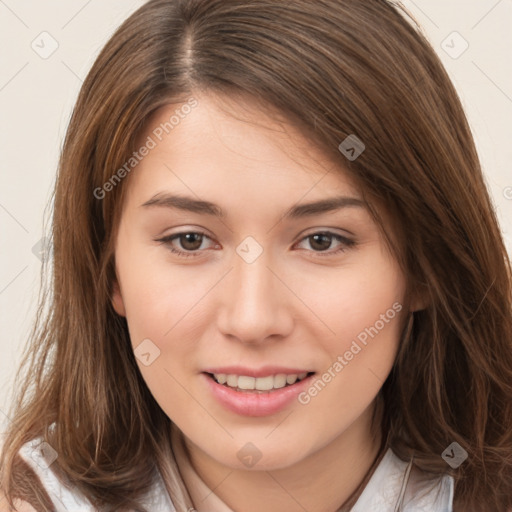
190 241
322 241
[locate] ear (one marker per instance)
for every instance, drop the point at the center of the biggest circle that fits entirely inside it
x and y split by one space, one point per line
117 299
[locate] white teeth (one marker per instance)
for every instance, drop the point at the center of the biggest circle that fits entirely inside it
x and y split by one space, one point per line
264 383
246 382
222 378
290 379
280 381
232 381
258 383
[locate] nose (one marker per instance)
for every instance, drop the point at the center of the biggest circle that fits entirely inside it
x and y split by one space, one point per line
255 305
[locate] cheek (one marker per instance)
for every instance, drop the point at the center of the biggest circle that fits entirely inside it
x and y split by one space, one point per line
364 312
159 314
161 319
361 301
158 298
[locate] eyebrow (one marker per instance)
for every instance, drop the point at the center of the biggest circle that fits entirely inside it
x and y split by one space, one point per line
207 208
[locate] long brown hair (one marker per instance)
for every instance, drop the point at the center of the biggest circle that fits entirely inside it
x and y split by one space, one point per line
333 68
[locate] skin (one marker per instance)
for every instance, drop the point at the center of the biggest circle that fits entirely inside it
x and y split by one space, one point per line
20 506
294 306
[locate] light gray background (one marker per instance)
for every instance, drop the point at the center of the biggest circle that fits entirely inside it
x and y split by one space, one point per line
37 95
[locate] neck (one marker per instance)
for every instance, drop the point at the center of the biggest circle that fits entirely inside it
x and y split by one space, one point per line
328 480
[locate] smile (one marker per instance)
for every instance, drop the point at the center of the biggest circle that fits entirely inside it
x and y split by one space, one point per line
258 384
265 392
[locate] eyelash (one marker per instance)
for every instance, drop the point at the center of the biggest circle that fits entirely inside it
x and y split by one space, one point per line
346 243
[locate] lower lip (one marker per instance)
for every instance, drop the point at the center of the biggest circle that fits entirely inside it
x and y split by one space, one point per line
255 404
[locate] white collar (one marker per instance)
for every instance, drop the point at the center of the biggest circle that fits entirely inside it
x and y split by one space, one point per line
393 487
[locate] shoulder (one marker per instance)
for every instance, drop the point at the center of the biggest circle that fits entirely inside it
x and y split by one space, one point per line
395 484
40 456
425 492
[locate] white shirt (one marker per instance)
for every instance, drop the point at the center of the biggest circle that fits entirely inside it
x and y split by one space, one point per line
393 487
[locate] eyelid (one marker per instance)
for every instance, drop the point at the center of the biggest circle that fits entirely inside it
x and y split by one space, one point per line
329 231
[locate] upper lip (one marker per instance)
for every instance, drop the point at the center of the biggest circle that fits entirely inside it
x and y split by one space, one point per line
264 371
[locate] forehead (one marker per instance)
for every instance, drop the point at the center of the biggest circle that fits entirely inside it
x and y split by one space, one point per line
226 144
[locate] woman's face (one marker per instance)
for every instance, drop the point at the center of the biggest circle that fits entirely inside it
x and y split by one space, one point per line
261 291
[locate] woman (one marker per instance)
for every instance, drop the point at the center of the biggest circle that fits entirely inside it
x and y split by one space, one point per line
276 267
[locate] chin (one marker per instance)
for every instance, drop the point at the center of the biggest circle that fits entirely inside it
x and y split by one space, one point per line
263 457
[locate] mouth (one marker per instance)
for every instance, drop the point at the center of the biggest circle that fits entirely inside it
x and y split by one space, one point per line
264 393
258 385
